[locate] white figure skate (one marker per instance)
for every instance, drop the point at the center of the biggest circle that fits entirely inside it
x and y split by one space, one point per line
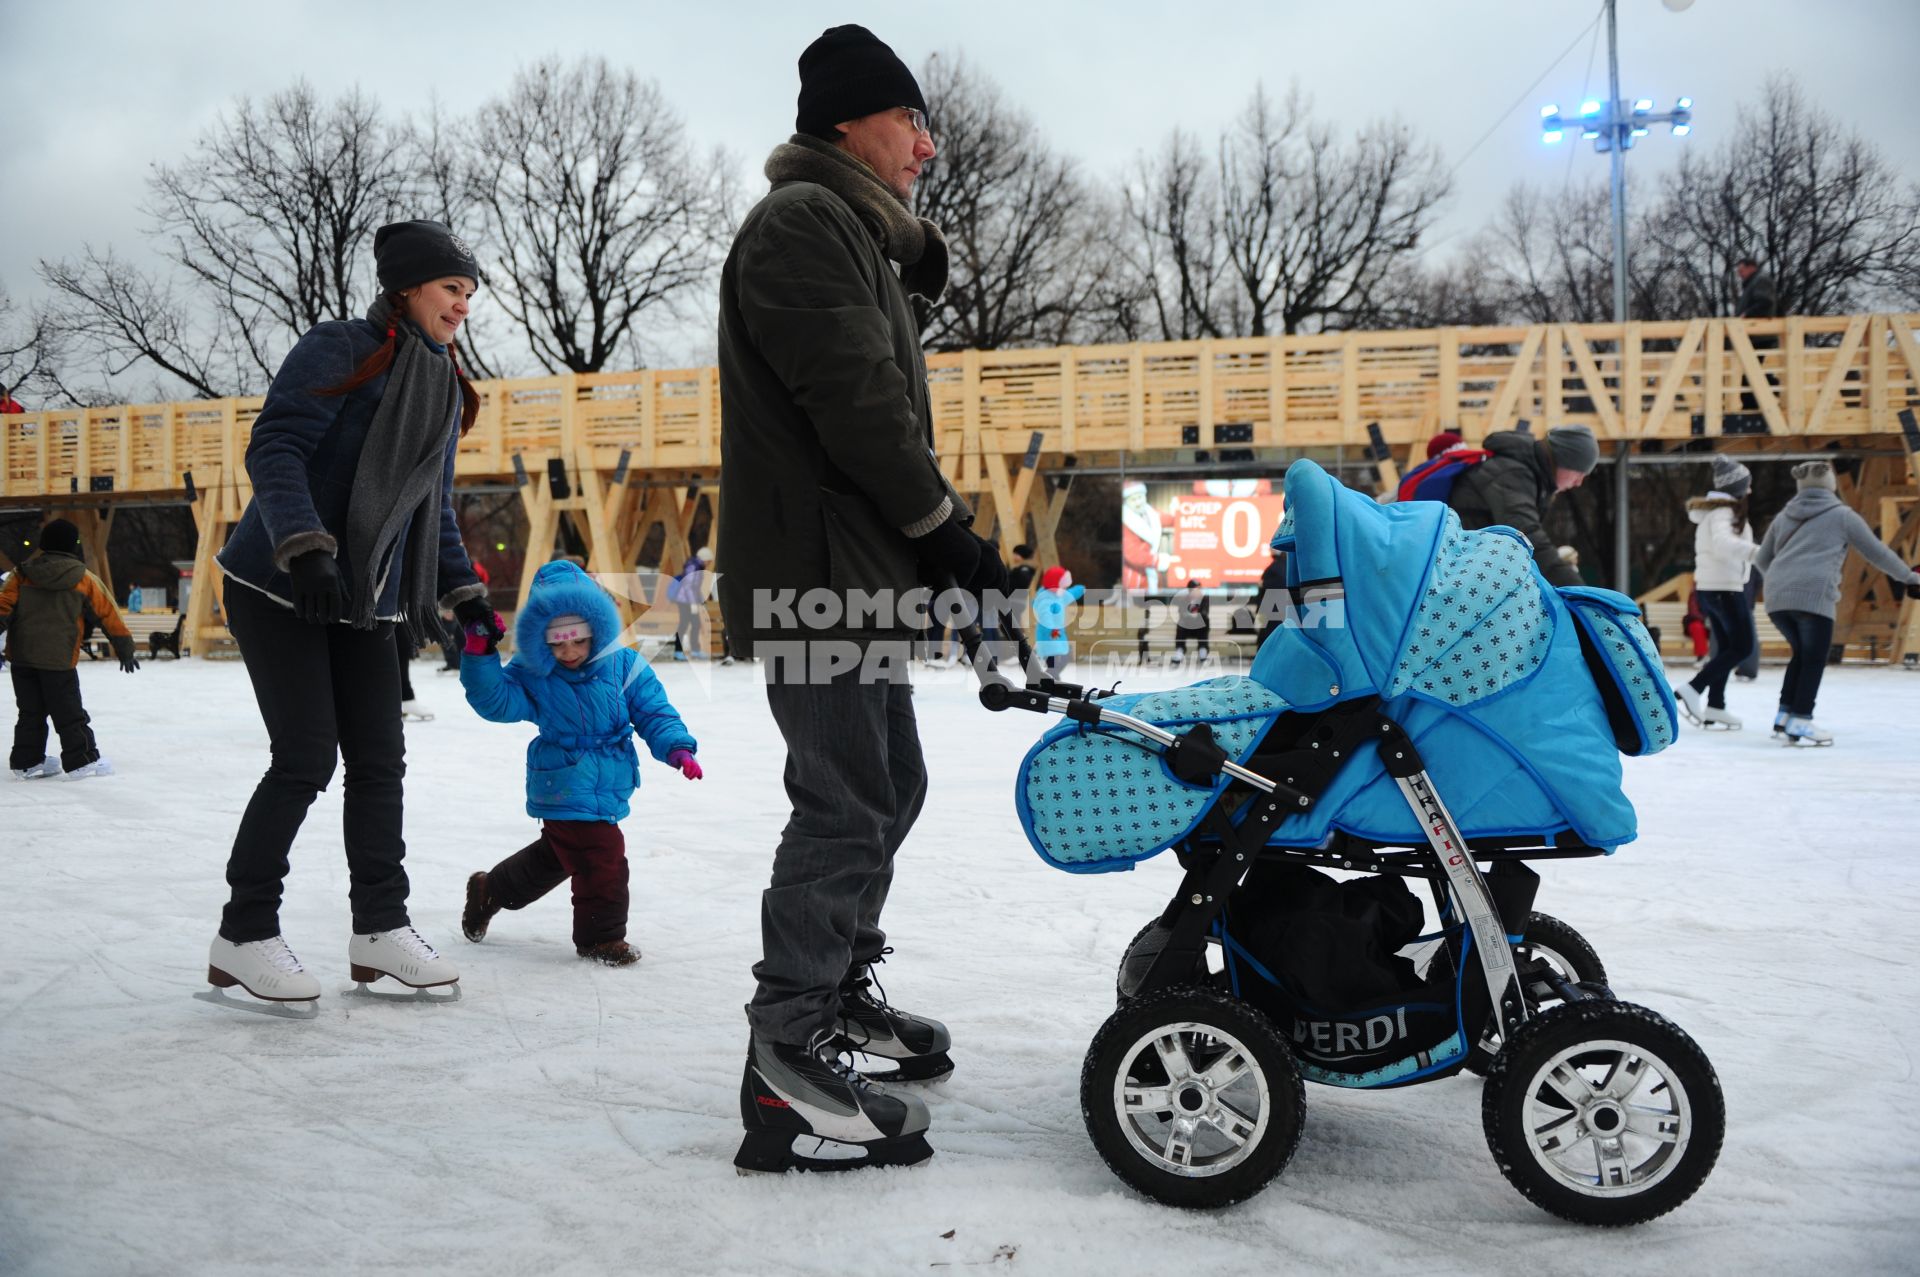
404 955
266 969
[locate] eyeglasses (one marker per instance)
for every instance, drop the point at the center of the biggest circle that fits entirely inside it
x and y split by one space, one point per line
917 118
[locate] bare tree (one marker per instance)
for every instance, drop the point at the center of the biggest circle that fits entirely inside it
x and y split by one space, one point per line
1026 255
30 350
1291 229
127 321
1174 281
597 210
1314 227
272 214
442 161
266 223
1816 204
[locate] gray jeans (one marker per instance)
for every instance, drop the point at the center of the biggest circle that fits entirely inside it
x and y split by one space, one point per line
856 779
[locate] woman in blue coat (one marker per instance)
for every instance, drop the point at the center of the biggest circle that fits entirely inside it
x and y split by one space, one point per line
350 533
589 696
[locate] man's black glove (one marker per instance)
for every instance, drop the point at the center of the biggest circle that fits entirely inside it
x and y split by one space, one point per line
480 625
953 550
319 591
123 648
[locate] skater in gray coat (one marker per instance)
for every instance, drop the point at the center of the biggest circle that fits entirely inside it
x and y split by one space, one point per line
1802 555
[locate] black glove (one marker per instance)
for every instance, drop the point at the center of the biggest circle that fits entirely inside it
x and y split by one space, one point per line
123 648
478 621
953 550
319 592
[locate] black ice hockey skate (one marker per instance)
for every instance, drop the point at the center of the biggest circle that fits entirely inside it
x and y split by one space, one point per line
916 1046
808 1093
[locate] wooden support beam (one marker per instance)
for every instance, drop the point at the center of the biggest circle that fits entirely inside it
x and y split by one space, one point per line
1677 364
1757 384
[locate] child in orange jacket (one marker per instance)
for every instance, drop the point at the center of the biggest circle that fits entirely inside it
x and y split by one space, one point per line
44 609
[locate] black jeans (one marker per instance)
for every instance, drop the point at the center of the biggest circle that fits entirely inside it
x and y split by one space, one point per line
1732 624
856 780
55 694
1811 637
325 692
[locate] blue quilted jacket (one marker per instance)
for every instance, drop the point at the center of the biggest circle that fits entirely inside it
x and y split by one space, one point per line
582 765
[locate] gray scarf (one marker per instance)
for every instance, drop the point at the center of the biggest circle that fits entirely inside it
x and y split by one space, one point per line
401 466
914 242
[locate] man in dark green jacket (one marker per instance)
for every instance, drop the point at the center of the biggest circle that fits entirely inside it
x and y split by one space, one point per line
1519 481
833 514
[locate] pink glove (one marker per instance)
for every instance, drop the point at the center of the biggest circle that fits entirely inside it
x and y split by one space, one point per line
483 637
685 761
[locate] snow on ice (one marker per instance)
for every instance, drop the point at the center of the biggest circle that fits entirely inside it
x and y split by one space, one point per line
570 1118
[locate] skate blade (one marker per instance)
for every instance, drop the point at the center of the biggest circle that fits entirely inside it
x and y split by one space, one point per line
918 1068
428 993
772 1153
279 1010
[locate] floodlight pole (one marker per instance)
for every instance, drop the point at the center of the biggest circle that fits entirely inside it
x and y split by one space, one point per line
1623 451
1618 162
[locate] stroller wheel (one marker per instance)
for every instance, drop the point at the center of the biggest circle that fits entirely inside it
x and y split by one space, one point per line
1566 951
1138 959
1603 1113
1192 1097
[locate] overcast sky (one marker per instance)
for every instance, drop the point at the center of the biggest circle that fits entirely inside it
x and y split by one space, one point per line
94 92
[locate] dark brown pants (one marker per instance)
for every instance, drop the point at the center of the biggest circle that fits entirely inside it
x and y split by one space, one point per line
592 853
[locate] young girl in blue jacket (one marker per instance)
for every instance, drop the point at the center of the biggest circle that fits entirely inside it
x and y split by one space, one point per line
589 696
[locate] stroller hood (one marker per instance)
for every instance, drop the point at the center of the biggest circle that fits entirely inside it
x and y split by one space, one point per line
1464 642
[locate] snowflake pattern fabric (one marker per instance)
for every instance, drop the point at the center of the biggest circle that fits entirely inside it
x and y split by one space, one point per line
1096 797
1483 624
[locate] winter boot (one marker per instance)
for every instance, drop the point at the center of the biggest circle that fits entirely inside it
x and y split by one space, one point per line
480 907
808 1090
1721 718
915 1045
48 766
1690 704
402 954
615 953
1801 731
265 968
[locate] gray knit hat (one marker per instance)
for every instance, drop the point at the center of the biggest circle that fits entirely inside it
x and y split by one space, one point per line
1730 477
1574 448
1815 474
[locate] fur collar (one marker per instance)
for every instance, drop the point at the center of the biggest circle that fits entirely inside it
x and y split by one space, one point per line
1713 501
914 242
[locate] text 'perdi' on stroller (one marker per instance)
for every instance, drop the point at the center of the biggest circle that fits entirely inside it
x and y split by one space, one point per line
1430 709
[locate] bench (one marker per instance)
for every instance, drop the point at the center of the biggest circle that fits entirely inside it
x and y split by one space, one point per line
155 632
1669 618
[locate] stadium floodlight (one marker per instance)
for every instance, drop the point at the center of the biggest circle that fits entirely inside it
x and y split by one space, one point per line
1685 104
1643 106
1551 136
1550 109
1590 107
1681 130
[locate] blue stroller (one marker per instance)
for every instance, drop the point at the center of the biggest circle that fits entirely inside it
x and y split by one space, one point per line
1430 709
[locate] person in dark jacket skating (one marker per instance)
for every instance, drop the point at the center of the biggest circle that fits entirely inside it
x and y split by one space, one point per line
834 512
350 532
1515 485
1192 621
589 695
45 608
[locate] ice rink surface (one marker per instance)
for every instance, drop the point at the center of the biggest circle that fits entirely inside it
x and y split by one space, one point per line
568 1118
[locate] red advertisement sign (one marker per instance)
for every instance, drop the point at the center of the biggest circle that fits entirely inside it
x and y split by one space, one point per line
1214 531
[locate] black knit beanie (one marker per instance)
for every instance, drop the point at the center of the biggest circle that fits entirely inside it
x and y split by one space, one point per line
59 537
409 253
847 73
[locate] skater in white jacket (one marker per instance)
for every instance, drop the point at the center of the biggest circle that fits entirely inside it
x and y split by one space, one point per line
1723 550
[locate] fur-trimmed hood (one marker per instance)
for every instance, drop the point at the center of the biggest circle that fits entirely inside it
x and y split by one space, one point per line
562 589
1698 507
